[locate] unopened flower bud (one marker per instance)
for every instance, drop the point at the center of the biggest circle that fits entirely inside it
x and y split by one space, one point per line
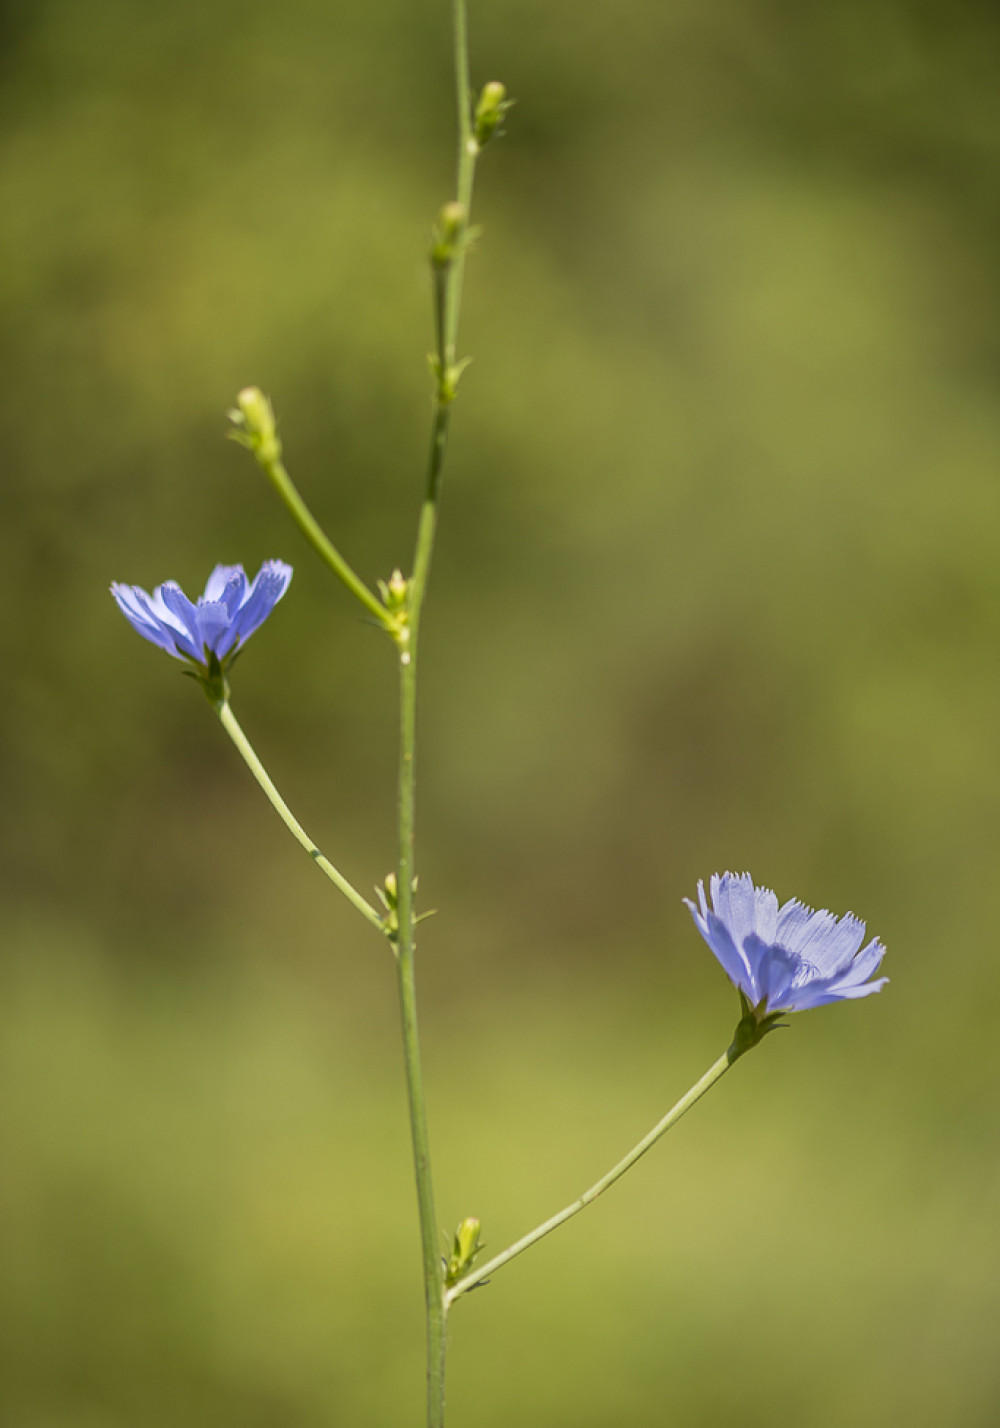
394 591
448 233
255 425
465 1249
491 107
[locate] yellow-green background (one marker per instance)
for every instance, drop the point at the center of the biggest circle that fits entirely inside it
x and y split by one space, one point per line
718 586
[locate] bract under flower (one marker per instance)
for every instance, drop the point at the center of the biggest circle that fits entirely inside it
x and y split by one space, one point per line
211 631
784 959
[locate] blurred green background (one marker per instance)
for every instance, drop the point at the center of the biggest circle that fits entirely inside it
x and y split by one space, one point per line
717 586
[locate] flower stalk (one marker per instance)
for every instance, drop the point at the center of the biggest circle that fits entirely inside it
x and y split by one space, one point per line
245 749
254 427
714 1074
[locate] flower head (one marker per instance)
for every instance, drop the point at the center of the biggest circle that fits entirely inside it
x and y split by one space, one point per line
784 959
210 633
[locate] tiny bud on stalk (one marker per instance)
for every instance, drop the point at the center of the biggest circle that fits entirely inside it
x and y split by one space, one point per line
394 591
465 1249
491 107
256 428
448 233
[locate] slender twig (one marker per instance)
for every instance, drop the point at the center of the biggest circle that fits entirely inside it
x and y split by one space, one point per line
229 722
321 543
709 1079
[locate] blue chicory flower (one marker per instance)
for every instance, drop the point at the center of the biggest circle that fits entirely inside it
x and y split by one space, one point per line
211 633
784 959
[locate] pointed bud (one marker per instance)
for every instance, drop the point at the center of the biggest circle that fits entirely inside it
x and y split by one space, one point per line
465 1249
491 107
255 425
448 233
394 592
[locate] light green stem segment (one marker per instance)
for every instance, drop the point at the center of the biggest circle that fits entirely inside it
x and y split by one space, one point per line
229 722
713 1074
324 547
448 295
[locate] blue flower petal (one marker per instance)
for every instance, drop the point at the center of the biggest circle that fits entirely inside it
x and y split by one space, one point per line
265 592
185 614
827 942
787 959
219 579
715 933
213 625
235 593
135 606
224 617
777 975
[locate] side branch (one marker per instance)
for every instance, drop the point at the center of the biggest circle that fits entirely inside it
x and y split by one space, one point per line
713 1074
229 722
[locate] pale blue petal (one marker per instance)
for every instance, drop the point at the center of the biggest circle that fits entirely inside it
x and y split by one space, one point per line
730 956
804 935
213 625
835 951
820 938
734 903
220 577
699 913
134 605
791 920
172 597
862 966
821 995
268 587
852 993
234 593
165 616
765 914
776 971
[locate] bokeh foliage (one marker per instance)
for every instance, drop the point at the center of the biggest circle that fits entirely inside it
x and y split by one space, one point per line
717 586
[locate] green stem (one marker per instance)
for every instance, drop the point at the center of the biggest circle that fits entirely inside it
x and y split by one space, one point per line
324 547
713 1074
229 722
447 306
433 1270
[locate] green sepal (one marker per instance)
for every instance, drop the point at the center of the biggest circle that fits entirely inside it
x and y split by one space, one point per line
755 1023
213 679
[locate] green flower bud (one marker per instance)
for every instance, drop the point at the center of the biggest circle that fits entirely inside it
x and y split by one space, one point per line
465 1249
255 425
394 591
491 107
449 233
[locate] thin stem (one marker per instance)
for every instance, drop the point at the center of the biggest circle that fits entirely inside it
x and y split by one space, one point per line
229 722
713 1074
436 1310
447 310
468 152
324 547
448 295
